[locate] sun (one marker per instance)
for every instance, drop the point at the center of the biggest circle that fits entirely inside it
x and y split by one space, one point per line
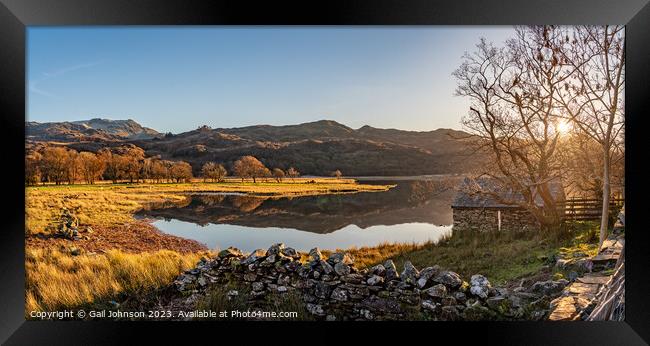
563 127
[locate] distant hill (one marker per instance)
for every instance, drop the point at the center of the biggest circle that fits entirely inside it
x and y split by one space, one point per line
314 148
93 130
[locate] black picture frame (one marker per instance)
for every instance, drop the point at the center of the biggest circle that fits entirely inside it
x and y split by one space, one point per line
16 15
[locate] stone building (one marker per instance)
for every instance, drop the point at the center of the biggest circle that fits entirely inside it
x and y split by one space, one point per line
482 205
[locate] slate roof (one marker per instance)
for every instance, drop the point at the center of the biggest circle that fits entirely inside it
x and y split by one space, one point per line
469 194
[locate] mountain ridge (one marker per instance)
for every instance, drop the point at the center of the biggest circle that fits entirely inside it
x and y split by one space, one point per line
314 148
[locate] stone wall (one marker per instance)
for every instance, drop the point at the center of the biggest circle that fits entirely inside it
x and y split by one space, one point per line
334 289
486 219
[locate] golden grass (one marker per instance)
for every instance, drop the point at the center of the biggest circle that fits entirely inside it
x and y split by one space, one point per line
57 280
110 205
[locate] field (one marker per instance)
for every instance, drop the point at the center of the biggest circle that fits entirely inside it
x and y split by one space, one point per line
129 256
119 256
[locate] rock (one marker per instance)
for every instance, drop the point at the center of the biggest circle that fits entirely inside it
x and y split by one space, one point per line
275 249
573 276
436 291
269 261
230 252
315 274
315 255
410 273
340 257
391 270
232 294
282 289
429 305
322 290
292 266
375 280
254 256
379 270
549 287
250 277
257 286
426 274
367 314
339 294
330 318
383 305
75 251
479 286
290 252
353 278
448 301
449 279
460 297
342 269
327 268
202 282
315 309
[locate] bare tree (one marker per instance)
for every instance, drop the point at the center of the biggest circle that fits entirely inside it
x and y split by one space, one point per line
181 171
214 171
514 115
278 174
159 171
293 173
54 164
250 167
32 168
92 166
593 96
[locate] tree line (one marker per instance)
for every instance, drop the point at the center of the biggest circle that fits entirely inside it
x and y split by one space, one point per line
61 165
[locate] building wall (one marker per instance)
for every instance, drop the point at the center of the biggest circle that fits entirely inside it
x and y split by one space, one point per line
482 220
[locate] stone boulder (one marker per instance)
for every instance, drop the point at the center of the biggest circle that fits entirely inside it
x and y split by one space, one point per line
549 288
340 257
479 286
426 275
449 279
410 274
391 271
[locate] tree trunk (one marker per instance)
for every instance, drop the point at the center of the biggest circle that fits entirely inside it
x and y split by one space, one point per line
604 219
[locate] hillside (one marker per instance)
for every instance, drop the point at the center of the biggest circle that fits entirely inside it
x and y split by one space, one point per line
314 148
93 130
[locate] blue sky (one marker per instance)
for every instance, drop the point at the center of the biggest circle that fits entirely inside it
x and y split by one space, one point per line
177 78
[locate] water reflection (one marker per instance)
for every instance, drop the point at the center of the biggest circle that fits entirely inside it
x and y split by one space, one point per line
413 211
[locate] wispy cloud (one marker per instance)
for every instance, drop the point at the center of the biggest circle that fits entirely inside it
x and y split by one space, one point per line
33 84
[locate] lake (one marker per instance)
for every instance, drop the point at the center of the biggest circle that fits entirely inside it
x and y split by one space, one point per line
415 211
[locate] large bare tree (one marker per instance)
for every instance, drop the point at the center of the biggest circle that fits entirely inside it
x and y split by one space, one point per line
593 95
514 114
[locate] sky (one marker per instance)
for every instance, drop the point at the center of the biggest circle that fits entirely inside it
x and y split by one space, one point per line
174 79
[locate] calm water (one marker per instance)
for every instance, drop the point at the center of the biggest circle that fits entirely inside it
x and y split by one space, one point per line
412 212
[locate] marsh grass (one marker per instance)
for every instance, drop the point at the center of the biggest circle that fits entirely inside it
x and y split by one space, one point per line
114 204
56 280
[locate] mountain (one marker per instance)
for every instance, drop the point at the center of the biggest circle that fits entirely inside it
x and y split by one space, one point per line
93 130
314 148
320 147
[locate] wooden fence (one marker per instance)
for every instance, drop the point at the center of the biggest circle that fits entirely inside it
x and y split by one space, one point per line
588 209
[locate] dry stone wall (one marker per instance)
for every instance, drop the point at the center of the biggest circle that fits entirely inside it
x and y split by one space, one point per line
334 289
482 220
